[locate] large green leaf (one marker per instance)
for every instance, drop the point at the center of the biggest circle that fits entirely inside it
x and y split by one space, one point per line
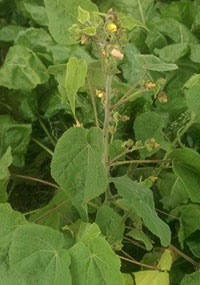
174 30
10 221
110 223
192 97
133 72
93 261
172 190
51 104
10 276
37 13
191 279
155 39
75 78
189 220
23 104
149 125
15 135
182 11
37 40
77 164
37 254
139 9
195 53
172 53
186 166
22 69
194 244
151 62
5 162
62 14
156 277
57 213
136 66
151 278
140 198
10 32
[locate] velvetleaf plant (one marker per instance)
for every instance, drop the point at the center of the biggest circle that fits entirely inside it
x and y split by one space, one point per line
114 135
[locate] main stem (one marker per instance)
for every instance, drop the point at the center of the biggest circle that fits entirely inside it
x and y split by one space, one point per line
108 90
107 116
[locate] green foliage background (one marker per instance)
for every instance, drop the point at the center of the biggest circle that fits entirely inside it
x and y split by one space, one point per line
56 227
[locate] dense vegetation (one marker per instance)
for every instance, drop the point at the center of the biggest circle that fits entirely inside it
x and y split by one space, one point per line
99 142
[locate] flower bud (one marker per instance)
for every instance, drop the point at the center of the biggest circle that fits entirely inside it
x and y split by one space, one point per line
116 53
99 93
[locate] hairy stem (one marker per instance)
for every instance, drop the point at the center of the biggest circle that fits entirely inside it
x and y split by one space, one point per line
43 146
93 102
47 132
106 127
126 97
36 180
107 115
139 161
132 260
180 253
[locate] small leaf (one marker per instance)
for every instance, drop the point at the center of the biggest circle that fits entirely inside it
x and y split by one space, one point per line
75 78
172 190
151 278
15 135
186 165
22 72
90 31
149 125
128 279
83 15
194 245
87 232
141 236
189 220
192 96
165 261
62 14
110 223
191 279
10 32
195 53
10 221
5 162
194 80
129 22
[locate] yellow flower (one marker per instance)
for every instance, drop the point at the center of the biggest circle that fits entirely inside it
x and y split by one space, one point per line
111 28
